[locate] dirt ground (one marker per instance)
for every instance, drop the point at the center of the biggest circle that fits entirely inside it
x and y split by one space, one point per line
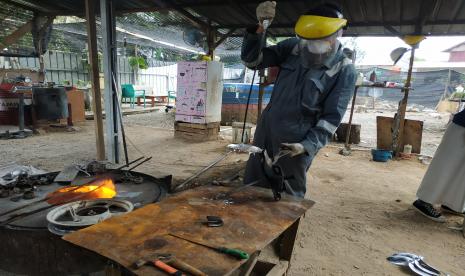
363 212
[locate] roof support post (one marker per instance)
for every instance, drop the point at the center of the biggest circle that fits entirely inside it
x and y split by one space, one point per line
95 78
211 37
399 122
112 121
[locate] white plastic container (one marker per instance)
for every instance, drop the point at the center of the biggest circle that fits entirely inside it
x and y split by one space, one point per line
237 132
408 149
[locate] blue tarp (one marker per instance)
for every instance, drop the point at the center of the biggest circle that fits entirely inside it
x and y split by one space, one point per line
237 93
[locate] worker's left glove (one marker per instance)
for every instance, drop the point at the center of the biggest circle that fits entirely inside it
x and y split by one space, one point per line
266 10
294 148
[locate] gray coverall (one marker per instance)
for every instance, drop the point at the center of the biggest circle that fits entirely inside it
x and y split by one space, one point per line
306 106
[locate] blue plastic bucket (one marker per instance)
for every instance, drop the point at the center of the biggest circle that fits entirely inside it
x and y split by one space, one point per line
381 155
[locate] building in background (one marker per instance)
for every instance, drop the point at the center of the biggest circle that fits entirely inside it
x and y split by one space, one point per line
456 53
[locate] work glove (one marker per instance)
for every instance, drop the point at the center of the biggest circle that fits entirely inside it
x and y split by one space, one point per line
266 10
294 148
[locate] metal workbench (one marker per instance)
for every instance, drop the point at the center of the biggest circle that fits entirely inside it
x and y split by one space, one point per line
252 221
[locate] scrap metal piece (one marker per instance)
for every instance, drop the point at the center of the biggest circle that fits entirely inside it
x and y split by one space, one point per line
29 194
214 221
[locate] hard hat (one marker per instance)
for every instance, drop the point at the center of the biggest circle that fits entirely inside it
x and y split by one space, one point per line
320 22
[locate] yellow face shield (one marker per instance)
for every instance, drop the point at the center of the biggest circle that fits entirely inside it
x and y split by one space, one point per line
317 27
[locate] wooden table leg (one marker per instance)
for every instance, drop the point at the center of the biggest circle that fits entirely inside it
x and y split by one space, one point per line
153 101
138 101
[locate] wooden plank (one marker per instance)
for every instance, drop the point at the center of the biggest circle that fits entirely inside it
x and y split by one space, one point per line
403 106
200 126
95 78
197 130
195 136
413 133
144 232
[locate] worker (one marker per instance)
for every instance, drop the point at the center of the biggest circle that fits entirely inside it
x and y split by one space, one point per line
444 181
310 95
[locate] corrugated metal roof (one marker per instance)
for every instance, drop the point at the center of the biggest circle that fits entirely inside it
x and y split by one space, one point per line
366 17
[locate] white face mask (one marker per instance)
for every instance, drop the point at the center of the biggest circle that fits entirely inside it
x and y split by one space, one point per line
318 46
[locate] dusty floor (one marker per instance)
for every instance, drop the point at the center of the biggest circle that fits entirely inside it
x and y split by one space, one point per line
363 212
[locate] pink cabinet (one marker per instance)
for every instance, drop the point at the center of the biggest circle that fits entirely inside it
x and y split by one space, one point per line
199 92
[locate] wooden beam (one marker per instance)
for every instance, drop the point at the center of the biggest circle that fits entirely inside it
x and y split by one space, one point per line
397 143
95 78
26 5
16 35
163 4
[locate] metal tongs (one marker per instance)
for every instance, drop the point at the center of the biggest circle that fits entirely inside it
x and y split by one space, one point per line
415 263
271 163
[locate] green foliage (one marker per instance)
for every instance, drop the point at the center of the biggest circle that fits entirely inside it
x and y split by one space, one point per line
138 63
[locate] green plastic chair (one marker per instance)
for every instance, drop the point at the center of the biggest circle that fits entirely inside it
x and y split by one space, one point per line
128 91
171 95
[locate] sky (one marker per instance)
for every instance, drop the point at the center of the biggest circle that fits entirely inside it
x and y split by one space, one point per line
377 49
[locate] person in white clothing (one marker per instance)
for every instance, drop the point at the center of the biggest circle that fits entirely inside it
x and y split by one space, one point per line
444 181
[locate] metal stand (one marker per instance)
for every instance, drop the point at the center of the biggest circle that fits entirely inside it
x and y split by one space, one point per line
110 70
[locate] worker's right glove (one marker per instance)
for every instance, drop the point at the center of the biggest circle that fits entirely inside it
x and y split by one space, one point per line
266 10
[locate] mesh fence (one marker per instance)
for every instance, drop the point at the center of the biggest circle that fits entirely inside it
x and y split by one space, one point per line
164 35
428 87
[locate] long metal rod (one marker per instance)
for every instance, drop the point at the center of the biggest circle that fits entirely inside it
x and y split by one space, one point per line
247 106
221 158
130 163
142 162
120 115
262 43
350 119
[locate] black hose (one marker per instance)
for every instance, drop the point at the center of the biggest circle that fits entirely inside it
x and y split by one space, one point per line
262 43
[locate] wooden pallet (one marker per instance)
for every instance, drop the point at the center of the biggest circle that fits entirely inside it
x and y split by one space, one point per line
197 132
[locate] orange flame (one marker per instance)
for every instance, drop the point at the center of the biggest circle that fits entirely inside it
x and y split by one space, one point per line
104 188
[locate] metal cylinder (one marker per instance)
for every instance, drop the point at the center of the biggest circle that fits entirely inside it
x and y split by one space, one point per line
21 112
70 116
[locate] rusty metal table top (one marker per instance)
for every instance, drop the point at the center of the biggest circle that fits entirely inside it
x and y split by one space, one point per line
251 222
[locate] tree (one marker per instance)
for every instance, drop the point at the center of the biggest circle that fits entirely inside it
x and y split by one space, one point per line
351 43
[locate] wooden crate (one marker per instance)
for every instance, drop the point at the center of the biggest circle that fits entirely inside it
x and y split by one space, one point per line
197 132
413 131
